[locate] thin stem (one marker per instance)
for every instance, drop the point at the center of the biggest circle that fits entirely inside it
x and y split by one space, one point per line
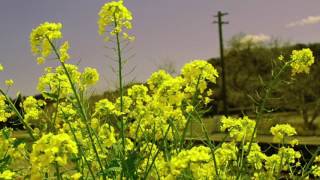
261 108
310 162
80 149
56 110
269 88
281 160
204 129
13 107
122 133
57 170
120 85
81 109
156 155
189 115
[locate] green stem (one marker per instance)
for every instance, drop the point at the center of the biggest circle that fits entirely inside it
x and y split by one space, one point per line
156 155
269 88
212 149
122 133
281 160
13 107
189 115
120 86
57 170
241 159
310 162
81 109
56 110
80 149
261 108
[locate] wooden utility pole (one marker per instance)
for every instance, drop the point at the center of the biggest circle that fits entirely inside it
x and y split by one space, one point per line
224 89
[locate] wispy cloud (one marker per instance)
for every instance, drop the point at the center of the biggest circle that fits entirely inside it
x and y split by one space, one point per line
306 21
258 38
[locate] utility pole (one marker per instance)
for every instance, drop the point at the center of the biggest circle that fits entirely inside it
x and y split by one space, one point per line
224 90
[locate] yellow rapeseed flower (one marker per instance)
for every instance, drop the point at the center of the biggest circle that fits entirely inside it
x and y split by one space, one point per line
7 175
76 176
90 76
39 36
64 51
280 131
51 149
9 82
115 17
238 128
301 61
4 109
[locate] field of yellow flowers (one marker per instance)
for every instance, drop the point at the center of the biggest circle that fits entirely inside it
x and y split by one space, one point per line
142 135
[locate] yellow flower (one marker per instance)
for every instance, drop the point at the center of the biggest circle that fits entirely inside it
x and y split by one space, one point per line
6 175
32 108
282 130
89 76
57 82
50 149
301 60
197 74
281 58
76 176
41 60
39 36
9 82
189 108
116 16
238 128
1 68
64 51
4 109
195 157
294 142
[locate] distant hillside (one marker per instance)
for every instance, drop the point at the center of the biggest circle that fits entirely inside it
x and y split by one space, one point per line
248 67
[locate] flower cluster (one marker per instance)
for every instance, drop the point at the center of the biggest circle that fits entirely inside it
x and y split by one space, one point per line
301 61
238 128
51 150
198 73
64 56
281 161
9 82
90 76
280 131
11 154
39 39
56 83
196 159
5 113
316 168
7 175
255 157
116 16
159 107
141 134
33 109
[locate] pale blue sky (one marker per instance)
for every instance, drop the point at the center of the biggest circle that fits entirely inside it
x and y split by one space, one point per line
166 30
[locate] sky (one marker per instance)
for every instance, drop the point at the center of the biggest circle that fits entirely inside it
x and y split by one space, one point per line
167 31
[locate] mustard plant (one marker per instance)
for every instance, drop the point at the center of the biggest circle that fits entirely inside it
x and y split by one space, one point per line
144 133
